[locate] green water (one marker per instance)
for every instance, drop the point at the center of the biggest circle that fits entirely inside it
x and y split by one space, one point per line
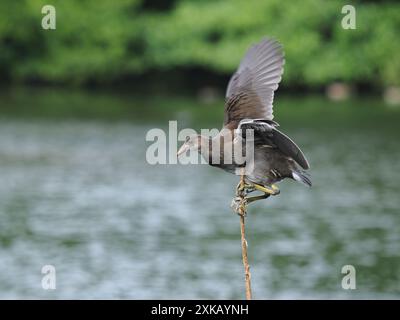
76 192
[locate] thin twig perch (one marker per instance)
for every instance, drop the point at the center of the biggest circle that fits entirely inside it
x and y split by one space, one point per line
241 210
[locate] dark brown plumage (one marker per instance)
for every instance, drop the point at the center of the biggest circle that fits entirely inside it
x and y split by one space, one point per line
248 105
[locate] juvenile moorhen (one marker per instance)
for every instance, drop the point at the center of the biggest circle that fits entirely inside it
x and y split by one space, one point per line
248 106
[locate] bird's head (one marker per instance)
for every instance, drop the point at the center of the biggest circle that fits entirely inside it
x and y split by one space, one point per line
192 142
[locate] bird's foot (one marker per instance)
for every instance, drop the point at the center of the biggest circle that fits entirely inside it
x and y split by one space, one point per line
240 187
248 188
238 205
244 187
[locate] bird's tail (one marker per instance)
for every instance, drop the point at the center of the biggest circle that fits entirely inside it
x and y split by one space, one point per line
302 177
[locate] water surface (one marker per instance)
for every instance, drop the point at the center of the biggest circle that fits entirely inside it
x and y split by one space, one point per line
76 192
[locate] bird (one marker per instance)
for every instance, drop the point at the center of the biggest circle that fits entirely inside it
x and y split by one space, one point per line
249 106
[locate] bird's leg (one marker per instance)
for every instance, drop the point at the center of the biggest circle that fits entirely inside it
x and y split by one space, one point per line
256 198
243 189
241 200
238 201
273 190
248 188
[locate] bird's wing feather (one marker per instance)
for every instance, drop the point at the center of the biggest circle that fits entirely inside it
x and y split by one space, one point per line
250 91
265 132
289 148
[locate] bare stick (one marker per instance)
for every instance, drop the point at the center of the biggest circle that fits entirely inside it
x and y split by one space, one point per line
242 213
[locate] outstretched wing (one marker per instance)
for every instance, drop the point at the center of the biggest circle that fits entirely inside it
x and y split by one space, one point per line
250 91
265 132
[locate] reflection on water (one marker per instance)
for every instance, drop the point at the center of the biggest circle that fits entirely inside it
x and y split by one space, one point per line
80 196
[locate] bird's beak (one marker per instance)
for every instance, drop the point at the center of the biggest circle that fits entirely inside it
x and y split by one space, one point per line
183 149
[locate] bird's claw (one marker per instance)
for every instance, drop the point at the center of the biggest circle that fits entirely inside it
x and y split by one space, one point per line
240 187
235 203
246 188
238 205
249 188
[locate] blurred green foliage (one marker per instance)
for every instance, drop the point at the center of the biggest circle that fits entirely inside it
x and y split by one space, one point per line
103 41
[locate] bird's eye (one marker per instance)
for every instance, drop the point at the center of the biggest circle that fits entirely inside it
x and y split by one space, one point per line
187 139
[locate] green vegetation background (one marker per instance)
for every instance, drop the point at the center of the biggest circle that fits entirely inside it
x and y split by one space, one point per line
103 41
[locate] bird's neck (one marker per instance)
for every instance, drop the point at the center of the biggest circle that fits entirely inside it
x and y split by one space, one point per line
206 148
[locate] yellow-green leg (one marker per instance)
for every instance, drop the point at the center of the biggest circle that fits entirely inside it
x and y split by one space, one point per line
256 198
247 188
273 190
